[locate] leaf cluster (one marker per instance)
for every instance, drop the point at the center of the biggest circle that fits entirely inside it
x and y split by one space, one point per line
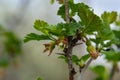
88 24
101 72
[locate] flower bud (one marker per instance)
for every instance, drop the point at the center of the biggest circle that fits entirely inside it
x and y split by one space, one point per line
92 51
81 64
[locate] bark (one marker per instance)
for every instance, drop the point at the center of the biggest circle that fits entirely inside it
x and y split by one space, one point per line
67 11
70 63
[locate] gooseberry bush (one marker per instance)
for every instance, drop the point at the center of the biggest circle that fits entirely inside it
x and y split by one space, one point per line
10 48
93 30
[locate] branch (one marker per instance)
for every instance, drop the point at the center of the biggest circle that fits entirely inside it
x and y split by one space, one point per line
82 70
70 63
69 46
67 11
78 44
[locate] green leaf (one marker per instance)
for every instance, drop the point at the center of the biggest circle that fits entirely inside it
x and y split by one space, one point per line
47 29
64 58
33 36
117 37
39 78
75 59
85 57
64 29
83 10
61 11
117 22
117 34
83 60
108 34
109 17
90 21
51 1
101 72
57 30
112 56
97 40
72 28
99 78
41 25
71 1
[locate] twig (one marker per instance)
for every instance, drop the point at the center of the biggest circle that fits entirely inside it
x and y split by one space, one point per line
67 11
82 70
78 44
60 53
68 54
